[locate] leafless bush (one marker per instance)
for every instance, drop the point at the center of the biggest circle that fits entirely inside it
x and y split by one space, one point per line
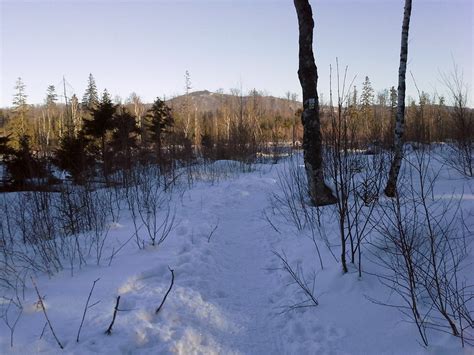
150 204
291 201
357 181
421 250
100 224
298 278
10 313
461 156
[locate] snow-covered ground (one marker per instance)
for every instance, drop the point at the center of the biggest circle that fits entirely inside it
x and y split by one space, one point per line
230 295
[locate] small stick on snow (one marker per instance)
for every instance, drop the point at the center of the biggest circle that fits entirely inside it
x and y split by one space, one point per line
109 329
85 309
212 232
41 304
166 295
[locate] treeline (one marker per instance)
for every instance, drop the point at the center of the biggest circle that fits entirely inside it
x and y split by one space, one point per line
98 136
370 117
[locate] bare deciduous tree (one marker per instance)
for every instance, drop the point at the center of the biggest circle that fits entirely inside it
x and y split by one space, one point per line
391 188
308 76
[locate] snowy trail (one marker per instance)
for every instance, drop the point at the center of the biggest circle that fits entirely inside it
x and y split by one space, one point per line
228 294
241 265
238 279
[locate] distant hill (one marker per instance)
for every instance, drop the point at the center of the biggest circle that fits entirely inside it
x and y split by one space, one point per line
206 101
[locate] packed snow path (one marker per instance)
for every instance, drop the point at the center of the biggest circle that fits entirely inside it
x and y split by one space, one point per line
229 292
235 271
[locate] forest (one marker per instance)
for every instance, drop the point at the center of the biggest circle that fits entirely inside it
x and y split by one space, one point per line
98 136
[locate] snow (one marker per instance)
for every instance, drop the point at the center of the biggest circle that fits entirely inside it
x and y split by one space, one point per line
230 295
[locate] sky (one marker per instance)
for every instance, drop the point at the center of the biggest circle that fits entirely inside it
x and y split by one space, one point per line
146 46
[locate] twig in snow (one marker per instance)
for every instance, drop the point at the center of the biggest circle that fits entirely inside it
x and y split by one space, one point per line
212 232
270 222
41 304
44 328
86 308
109 329
299 279
167 292
115 252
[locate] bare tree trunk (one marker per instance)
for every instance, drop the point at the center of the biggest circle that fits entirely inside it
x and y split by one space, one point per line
308 75
391 188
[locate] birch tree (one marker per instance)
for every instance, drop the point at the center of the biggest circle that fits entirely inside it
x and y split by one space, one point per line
391 188
312 146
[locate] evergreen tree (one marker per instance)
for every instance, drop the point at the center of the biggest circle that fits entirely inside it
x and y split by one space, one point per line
76 115
99 124
160 120
124 137
22 165
20 107
393 100
6 152
48 124
90 100
367 95
73 156
366 105
51 96
354 97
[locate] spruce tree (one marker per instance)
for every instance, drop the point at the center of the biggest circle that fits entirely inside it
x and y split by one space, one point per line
51 96
20 108
90 100
159 121
48 124
73 156
99 124
366 106
22 165
124 137
76 115
367 95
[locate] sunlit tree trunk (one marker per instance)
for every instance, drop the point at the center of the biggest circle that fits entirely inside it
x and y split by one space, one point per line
391 188
308 75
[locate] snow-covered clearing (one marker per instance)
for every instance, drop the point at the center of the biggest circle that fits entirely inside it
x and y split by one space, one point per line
230 295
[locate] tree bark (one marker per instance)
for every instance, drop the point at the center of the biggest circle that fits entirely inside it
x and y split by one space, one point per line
312 146
391 188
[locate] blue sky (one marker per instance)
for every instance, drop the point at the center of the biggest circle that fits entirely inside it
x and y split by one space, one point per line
146 46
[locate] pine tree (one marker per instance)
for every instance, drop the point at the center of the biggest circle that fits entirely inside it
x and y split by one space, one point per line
366 106
124 137
51 96
160 120
75 115
6 152
90 100
99 124
367 95
354 97
73 156
20 107
187 104
393 100
47 122
23 165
